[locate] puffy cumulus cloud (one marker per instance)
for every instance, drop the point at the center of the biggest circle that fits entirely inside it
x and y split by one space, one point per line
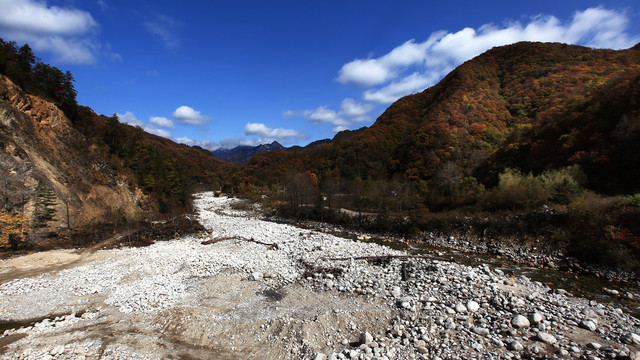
188 115
64 32
321 115
226 143
350 113
262 130
367 72
162 122
130 118
354 111
164 29
370 72
159 132
400 88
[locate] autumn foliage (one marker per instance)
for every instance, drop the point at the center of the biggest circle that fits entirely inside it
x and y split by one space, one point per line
14 229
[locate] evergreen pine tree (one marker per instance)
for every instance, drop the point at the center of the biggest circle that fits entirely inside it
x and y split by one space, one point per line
45 200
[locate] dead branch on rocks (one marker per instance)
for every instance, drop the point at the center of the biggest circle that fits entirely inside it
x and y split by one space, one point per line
270 246
311 270
387 258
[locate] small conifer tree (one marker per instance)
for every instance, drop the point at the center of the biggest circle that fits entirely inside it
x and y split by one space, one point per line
45 201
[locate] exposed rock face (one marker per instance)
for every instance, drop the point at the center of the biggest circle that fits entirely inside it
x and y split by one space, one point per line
38 142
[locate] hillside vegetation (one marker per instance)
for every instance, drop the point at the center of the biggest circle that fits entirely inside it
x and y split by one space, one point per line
531 142
514 129
64 166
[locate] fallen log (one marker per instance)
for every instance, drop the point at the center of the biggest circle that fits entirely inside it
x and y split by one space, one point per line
270 246
390 257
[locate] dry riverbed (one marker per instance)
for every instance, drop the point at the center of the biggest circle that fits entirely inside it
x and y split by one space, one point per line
261 290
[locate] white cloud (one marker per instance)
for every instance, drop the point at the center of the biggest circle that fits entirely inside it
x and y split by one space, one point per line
188 115
364 72
129 118
351 112
226 143
159 132
321 115
356 112
163 28
397 89
64 32
162 122
258 129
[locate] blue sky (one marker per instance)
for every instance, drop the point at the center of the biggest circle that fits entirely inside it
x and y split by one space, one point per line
216 73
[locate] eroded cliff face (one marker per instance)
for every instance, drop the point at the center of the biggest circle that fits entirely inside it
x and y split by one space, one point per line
38 142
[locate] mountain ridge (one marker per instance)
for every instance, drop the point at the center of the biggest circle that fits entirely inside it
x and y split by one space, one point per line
454 128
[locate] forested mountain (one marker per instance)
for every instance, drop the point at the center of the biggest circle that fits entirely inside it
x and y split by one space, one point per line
534 106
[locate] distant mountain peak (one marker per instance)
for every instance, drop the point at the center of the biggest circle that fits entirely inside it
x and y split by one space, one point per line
244 153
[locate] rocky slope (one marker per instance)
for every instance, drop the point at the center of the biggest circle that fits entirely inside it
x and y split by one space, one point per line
38 142
255 289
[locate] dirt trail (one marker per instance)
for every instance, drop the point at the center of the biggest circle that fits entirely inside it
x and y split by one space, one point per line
46 262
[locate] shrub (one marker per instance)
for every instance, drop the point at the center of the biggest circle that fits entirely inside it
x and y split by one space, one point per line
516 190
13 229
603 230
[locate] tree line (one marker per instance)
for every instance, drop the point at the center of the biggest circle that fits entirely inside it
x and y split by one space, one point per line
31 74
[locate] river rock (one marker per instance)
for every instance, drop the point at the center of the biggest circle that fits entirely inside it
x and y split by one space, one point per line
588 324
515 346
256 276
520 322
366 338
320 356
536 318
630 339
481 331
546 338
472 306
461 308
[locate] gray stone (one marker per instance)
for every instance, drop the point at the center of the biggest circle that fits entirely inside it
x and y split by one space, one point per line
256 276
366 338
630 339
481 331
449 324
588 324
546 338
461 308
562 352
472 306
321 356
536 318
520 322
515 346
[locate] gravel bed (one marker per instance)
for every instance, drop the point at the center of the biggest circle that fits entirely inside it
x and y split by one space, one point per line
439 309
